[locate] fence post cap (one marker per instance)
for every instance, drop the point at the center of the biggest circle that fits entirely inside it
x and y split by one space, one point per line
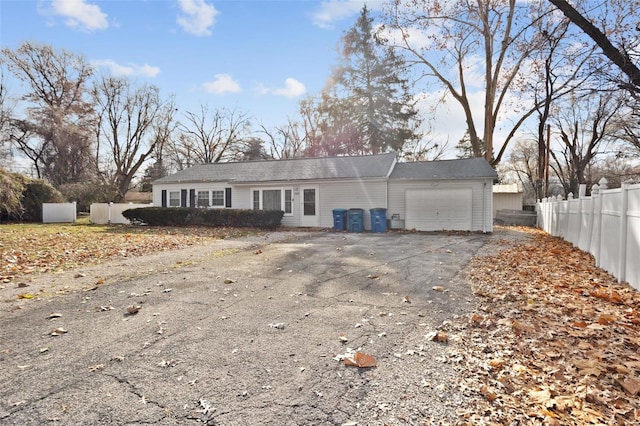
570 196
603 182
595 189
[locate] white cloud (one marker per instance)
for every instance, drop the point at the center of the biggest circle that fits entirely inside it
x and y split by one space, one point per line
292 89
331 11
223 83
197 17
129 70
80 14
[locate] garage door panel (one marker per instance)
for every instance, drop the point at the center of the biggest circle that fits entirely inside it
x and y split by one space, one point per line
438 209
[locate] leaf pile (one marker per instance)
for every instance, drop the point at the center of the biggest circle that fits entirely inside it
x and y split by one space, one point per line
555 340
39 248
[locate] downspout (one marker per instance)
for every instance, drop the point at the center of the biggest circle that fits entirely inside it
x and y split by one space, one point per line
484 207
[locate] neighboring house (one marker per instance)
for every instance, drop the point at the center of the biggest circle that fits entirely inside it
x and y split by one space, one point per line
428 196
507 197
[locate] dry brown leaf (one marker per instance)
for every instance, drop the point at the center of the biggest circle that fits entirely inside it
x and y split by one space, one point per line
489 393
631 386
360 360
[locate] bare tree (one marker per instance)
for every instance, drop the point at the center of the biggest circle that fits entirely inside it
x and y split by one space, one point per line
458 43
586 126
523 162
623 21
6 111
59 117
211 136
286 141
127 115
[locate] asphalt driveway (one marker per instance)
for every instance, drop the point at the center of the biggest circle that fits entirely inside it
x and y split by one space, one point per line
246 331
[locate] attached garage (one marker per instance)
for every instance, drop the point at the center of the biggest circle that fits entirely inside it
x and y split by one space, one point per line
432 209
452 195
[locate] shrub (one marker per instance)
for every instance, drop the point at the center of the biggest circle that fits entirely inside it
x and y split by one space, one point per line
10 193
21 197
180 216
37 192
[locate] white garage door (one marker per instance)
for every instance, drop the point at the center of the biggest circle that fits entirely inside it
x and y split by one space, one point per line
438 209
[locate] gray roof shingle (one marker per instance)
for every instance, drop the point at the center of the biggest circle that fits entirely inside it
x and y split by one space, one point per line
367 166
468 168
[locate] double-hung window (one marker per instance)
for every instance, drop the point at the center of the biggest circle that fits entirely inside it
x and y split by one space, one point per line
217 198
174 198
273 199
203 199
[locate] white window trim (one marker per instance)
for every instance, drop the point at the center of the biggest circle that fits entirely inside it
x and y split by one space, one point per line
209 200
224 199
271 188
169 198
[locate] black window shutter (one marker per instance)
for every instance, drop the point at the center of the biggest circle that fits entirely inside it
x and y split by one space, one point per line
227 198
183 198
192 198
164 198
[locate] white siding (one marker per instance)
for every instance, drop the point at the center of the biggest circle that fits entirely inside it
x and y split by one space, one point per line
506 201
348 195
482 199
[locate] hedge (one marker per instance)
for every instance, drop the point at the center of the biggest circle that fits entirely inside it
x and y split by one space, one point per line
183 216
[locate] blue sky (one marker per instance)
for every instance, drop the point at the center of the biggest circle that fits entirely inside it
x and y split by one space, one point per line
258 57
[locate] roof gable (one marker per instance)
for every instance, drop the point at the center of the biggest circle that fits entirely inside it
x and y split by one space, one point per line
360 167
468 168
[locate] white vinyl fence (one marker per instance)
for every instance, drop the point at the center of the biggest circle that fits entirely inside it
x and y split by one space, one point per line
58 212
606 224
102 213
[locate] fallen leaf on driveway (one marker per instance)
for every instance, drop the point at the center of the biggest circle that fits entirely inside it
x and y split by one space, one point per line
96 367
437 336
278 325
437 288
360 360
133 309
55 315
58 331
229 281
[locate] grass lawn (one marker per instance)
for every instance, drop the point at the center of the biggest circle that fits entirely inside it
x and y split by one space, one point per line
36 248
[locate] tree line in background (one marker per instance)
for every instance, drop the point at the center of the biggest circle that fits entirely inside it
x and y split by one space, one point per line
93 137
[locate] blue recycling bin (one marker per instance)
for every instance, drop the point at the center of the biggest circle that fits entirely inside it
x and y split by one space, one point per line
340 219
356 220
378 220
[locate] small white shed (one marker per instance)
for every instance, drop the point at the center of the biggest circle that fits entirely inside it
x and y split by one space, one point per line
507 197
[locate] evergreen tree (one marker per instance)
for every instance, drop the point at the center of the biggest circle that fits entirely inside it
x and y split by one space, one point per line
368 98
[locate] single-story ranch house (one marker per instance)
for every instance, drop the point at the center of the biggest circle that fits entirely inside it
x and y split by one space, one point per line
426 196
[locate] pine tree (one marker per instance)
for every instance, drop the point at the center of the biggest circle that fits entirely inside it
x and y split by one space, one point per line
368 95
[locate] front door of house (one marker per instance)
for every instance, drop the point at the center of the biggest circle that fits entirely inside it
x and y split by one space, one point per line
309 206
